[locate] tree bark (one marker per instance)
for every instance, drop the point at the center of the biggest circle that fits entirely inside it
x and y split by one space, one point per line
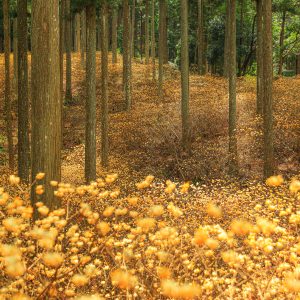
161 47
90 131
15 46
185 75
46 100
281 43
77 32
163 8
226 42
7 96
233 154
114 36
298 64
153 41
104 86
267 86
61 60
83 37
147 32
241 39
126 55
201 46
259 58
132 30
23 103
141 34
68 35
99 29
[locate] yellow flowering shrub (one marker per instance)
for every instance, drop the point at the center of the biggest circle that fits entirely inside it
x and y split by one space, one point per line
162 241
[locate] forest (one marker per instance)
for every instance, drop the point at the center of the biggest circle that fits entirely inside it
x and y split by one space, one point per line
149 149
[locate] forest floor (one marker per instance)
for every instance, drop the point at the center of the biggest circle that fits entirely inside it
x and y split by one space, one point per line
250 262
146 140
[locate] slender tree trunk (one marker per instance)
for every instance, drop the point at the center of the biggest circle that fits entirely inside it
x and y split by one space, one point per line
46 98
226 42
249 57
281 43
23 105
132 33
163 8
233 155
72 25
15 46
1 44
90 130
298 64
153 41
141 35
201 49
77 32
8 115
267 86
185 75
61 60
83 37
68 34
241 39
126 55
259 58
99 27
147 32
104 86
161 47
114 35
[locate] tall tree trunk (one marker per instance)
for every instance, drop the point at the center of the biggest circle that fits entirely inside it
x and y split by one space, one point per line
68 34
226 42
147 32
15 46
132 29
61 60
1 44
241 39
298 64
249 56
23 105
114 35
233 155
90 130
185 75
99 29
267 86
104 86
161 47
77 32
153 41
201 43
281 43
163 8
126 55
141 34
83 37
46 106
259 58
8 115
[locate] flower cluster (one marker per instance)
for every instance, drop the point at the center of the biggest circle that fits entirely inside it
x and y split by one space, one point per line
159 241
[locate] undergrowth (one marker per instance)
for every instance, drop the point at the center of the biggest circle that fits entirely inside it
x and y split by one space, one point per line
163 241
